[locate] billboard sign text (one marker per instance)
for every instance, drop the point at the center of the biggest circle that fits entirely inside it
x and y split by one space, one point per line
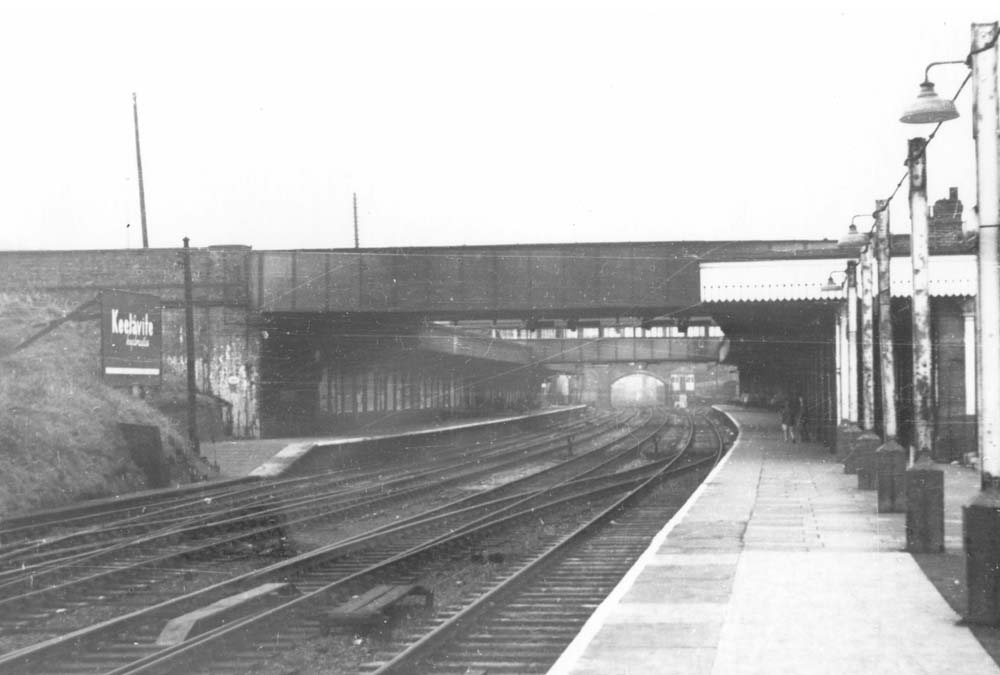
131 338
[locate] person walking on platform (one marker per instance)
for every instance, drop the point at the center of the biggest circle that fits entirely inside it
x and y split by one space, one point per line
800 419
787 420
794 409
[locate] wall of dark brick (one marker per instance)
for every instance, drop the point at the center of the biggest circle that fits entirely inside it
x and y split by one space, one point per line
227 347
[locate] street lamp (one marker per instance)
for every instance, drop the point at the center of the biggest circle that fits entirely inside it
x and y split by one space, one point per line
929 108
853 236
924 480
982 517
832 286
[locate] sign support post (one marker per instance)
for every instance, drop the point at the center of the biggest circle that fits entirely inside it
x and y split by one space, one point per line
192 388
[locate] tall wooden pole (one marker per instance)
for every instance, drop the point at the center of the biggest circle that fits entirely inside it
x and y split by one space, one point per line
138 161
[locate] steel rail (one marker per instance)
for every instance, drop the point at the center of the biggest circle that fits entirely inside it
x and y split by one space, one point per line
151 503
446 633
280 568
316 508
172 659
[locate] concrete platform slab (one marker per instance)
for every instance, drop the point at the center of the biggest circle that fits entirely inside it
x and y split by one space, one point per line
778 564
269 457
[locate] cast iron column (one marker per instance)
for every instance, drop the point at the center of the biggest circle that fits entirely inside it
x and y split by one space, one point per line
891 457
840 339
849 433
868 442
924 480
867 341
852 342
982 517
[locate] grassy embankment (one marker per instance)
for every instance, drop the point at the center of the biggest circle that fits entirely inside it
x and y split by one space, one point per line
59 436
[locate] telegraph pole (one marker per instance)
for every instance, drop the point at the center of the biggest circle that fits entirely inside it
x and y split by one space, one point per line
138 161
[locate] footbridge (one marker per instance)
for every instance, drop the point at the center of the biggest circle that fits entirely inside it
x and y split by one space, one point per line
315 340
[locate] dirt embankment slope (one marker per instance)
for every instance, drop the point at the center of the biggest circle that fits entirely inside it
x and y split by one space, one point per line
59 435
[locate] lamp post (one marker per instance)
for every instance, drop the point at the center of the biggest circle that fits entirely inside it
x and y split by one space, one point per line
981 518
890 457
868 442
848 431
867 334
840 349
852 343
924 480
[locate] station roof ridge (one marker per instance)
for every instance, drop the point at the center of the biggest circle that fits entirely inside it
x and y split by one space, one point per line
550 245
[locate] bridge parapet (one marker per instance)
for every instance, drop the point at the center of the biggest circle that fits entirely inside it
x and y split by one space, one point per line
479 281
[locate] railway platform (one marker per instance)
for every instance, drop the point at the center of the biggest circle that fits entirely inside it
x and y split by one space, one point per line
272 456
779 564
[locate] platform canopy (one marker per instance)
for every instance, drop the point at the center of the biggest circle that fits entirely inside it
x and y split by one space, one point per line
798 280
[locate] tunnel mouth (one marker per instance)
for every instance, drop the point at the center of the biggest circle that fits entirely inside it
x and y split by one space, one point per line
638 390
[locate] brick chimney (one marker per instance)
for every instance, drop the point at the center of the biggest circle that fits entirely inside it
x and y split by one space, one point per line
946 221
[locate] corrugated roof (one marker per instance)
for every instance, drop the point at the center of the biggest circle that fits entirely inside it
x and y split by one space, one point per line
787 279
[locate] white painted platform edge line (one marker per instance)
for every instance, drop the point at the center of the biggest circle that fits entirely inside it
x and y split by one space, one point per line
575 650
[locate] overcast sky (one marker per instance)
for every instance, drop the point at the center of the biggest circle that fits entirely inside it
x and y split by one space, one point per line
467 122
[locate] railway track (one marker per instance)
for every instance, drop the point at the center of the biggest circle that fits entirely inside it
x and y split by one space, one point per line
523 623
274 497
103 520
155 555
133 633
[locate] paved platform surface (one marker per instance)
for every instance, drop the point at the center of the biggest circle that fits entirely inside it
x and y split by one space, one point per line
779 564
238 458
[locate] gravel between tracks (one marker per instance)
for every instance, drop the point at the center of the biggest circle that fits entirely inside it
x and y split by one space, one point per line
454 578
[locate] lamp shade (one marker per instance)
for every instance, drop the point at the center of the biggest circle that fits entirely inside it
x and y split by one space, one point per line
832 286
853 237
929 108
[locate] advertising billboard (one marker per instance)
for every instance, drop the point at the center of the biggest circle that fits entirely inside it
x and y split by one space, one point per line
131 338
